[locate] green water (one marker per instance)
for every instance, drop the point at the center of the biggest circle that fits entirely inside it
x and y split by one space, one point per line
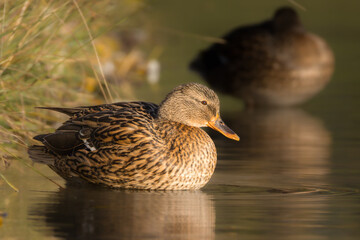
295 174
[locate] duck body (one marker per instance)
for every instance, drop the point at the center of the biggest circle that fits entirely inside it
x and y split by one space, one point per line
127 145
273 63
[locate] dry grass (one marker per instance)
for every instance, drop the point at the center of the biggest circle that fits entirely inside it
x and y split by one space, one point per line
48 58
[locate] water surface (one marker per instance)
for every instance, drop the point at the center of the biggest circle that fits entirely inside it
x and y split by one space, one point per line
295 174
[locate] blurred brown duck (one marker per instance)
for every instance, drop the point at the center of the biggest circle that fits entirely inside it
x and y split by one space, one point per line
138 145
274 63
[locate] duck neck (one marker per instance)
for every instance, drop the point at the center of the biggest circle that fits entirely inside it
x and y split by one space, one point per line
166 112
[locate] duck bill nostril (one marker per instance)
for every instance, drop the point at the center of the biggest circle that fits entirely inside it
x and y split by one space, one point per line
219 125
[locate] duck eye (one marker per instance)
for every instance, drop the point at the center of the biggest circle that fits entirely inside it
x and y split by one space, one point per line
204 102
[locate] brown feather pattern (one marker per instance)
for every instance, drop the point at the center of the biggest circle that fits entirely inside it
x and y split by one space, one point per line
125 145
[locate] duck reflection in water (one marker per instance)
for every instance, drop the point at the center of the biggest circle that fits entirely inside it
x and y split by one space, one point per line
286 153
273 63
94 213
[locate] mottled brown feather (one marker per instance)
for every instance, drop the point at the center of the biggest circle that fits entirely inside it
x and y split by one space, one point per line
126 145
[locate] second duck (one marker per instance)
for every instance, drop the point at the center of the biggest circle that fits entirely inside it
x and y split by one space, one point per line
273 63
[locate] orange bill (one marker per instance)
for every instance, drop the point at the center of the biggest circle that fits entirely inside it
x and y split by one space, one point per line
218 125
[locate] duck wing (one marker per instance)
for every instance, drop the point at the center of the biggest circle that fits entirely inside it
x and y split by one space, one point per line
106 144
95 126
76 112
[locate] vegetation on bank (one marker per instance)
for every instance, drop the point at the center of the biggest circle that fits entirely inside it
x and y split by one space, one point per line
62 53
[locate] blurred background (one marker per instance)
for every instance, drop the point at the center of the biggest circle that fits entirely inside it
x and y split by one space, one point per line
295 173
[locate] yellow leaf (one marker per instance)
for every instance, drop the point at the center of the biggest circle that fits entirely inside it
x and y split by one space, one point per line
90 84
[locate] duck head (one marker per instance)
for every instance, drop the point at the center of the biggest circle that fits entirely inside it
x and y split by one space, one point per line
286 19
195 105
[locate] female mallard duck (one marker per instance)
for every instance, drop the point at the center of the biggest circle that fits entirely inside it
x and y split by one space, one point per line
138 145
274 63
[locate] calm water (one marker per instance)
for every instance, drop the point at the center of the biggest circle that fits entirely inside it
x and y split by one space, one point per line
295 174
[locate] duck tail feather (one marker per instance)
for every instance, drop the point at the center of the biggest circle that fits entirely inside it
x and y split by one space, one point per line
67 111
40 154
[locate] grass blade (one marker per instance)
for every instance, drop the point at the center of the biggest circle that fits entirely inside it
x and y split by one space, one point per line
8 183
